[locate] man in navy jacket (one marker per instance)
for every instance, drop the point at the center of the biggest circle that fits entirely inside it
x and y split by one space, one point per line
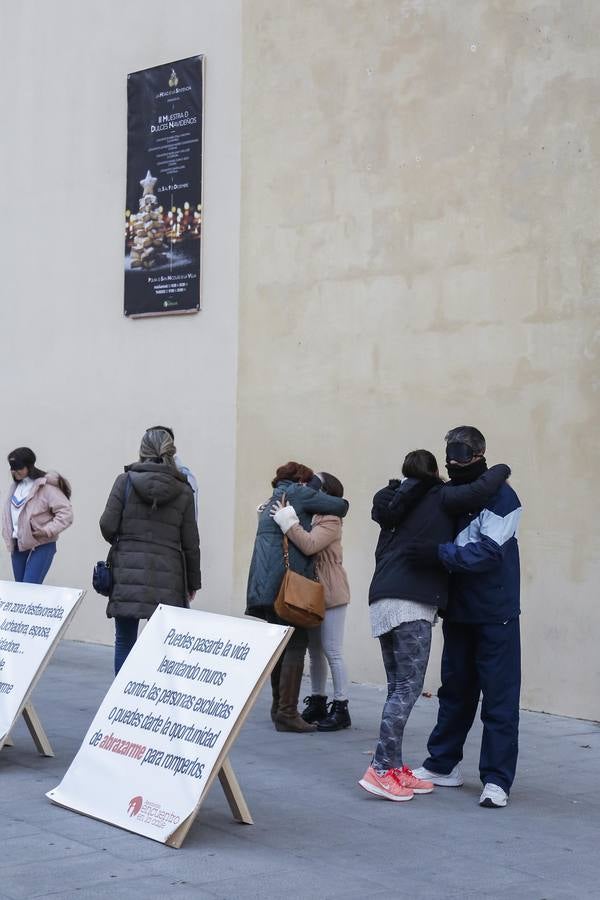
482 653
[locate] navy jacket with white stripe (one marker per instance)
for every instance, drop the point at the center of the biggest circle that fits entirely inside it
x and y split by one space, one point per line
484 562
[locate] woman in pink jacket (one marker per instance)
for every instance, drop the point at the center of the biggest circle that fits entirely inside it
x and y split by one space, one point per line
324 642
37 509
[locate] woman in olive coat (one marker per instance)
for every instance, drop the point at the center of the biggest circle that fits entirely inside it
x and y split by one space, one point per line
150 522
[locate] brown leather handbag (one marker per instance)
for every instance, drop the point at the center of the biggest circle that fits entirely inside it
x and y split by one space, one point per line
300 601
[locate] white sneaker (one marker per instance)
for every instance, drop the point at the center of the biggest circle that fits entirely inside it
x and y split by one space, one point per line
453 779
493 797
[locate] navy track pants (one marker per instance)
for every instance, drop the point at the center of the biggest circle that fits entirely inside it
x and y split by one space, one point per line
479 659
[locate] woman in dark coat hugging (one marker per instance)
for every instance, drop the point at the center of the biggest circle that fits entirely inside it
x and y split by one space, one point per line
150 522
266 574
405 595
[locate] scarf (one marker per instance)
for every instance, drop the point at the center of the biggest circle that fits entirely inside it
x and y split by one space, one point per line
466 474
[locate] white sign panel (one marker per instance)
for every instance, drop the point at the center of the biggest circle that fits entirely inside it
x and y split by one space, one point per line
149 754
32 619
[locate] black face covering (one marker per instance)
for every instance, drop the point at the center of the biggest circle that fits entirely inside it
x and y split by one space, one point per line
459 452
466 474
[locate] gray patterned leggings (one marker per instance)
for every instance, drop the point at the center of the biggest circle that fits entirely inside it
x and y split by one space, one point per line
405 651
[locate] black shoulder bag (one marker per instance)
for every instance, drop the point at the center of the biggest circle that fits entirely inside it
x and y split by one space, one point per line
102 578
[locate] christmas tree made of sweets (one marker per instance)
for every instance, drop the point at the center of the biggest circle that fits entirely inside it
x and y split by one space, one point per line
150 243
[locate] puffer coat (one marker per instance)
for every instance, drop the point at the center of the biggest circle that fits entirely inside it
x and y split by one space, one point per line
266 567
46 513
155 553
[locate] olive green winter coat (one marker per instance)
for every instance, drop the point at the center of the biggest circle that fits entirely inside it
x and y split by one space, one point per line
155 553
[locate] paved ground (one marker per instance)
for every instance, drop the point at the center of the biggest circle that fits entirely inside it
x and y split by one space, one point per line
317 835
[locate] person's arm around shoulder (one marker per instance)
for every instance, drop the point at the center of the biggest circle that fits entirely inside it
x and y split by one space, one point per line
62 511
110 520
319 502
380 511
473 497
392 504
190 544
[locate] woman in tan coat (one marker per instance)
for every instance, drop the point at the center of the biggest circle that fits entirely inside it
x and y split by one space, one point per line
325 642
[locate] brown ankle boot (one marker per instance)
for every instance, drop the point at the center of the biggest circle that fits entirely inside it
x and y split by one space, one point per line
290 679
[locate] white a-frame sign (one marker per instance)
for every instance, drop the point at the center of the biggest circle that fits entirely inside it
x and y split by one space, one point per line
33 618
162 733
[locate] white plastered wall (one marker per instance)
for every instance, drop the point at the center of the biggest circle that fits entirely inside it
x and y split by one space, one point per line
80 382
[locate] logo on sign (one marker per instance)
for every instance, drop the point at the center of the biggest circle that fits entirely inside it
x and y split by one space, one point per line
174 89
135 804
151 813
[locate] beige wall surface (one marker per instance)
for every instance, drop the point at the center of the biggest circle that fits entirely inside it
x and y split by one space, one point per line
420 249
81 383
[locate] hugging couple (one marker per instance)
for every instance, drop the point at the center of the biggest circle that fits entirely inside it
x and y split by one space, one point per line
448 548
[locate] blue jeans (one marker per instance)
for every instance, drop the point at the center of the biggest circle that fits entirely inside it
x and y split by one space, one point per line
31 566
125 637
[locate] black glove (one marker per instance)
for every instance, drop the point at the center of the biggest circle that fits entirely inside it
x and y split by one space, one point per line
423 553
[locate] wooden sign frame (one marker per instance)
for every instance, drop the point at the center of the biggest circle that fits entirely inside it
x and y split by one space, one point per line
36 730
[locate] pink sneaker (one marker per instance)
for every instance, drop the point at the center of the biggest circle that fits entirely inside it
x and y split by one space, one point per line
407 779
386 785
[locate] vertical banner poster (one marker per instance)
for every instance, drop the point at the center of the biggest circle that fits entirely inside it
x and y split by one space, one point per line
163 218
169 719
33 618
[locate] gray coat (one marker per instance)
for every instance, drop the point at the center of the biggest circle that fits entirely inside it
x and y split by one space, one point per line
266 566
156 557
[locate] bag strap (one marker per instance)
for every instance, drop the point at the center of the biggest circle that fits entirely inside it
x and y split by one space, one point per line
286 545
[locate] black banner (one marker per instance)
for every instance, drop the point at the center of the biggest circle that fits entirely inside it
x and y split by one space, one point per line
163 220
